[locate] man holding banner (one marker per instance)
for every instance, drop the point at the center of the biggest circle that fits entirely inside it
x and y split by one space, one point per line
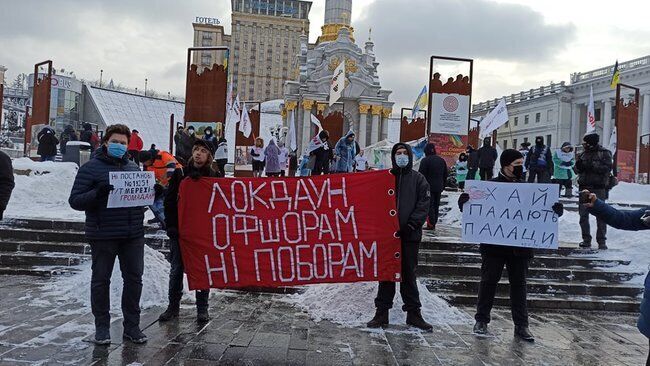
515 258
113 232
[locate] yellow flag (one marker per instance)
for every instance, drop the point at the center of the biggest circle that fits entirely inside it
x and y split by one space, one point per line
616 76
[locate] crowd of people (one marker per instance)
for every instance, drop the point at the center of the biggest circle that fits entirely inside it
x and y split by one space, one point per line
49 144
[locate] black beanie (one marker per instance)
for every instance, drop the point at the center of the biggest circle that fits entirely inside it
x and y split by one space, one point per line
145 155
591 139
508 156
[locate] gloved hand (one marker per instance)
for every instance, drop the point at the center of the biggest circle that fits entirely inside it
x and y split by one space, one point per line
645 218
195 175
172 233
103 190
462 200
158 189
558 208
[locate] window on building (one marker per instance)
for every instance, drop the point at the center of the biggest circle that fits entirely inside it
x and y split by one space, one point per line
525 139
507 123
549 115
549 142
514 143
505 144
597 114
538 117
516 121
526 119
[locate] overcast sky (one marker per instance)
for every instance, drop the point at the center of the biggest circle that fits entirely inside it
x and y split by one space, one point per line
516 44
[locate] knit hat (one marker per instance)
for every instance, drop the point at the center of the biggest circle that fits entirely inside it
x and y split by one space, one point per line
508 156
591 139
145 155
204 143
324 135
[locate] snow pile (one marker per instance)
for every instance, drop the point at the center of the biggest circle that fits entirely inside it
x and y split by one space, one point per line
352 305
630 193
42 190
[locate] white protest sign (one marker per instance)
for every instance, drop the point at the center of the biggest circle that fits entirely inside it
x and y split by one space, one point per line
511 214
131 189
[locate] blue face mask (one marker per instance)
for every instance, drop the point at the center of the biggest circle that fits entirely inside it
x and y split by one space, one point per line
402 160
116 150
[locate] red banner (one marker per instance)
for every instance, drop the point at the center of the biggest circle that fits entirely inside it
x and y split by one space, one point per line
272 232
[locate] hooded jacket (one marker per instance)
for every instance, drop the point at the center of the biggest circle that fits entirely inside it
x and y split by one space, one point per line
487 156
346 151
47 142
221 150
472 158
434 169
135 143
87 135
593 167
539 155
68 134
105 223
563 169
272 158
412 197
184 143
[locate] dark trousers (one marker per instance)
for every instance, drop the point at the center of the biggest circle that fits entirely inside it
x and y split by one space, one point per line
221 164
131 255
568 186
542 175
471 173
434 208
176 279
601 226
491 269
408 288
134 155
486 173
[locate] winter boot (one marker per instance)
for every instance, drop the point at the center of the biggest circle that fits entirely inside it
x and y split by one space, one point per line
170 313
202 315
585 245
480 328
380 319
523 333
602 246
414 319
135 335
102 336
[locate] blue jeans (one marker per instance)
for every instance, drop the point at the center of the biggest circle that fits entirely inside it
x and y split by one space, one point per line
158 208
48 157
176 279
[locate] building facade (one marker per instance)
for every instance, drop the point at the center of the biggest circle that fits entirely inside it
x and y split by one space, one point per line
265 39
558 112
208 33
65 100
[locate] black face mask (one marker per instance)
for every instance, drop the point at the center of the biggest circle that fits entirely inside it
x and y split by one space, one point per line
518 172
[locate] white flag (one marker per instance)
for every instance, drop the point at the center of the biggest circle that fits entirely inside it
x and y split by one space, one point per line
291 134
236 107
338 83
245 125
591 114
495 119
316 121
612 141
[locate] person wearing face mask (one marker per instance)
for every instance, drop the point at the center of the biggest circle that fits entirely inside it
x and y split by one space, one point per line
563 162
112 232
539 162
412 195
495 257
487 156
594 166
461 170
208 135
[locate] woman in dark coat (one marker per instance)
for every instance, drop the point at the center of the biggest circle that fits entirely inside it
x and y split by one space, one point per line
47 142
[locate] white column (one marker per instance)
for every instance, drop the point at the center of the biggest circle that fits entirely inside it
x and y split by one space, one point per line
363 125
575 124
607 121
374 132
645 122
306 123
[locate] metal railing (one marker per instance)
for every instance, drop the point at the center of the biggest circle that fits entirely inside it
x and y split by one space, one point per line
552 88
578 77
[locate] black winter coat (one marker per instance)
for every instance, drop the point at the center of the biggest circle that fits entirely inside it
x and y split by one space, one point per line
412 196
6 181
105 223
487 155
322 160
593 167
46 142
434 169
171 199
472 159
532 158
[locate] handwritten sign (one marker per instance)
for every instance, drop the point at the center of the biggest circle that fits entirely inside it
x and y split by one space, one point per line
272 232
512 214
131 189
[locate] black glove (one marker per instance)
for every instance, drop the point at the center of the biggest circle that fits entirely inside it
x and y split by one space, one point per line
172 233
462 200
103 190
566 163
407 230
558 208
158 189
195 175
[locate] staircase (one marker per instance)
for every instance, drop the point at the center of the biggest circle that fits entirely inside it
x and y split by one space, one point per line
568 278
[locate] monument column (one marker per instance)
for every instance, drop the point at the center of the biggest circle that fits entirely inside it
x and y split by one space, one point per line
306 122
607 121
291 109
645 121
363 124
385 113
575 124
374 132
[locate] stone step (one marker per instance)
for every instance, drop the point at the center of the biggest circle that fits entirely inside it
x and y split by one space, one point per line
23 234
539 301
563 274
21 270
470 285
43 246
38 259
455 244
42 224
542 261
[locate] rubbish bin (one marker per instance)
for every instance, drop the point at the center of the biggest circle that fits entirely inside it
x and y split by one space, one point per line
77 152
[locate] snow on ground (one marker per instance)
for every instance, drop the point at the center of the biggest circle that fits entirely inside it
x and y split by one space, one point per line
352 305
630 193
44 192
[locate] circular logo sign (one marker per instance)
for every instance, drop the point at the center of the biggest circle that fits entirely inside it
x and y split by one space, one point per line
450 104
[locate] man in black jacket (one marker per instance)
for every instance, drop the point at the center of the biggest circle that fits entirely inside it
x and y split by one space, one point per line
47 142
472 162
412 208
539 162
487 156
6 181
112 232
516 259
594 166
434 169
322 156
199 165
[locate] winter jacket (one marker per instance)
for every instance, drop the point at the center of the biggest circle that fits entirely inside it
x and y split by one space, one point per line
563 169
222 150
272 165
345 151
593 167
87 135
171 199
322 157
412 196
135 143
472 159
47 142
503 250
487 155
183 142
539 158
434 169
67 135
461 171
628 220
105 223
6 181
163 167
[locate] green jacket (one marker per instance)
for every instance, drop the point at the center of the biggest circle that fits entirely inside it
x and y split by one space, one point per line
558 169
